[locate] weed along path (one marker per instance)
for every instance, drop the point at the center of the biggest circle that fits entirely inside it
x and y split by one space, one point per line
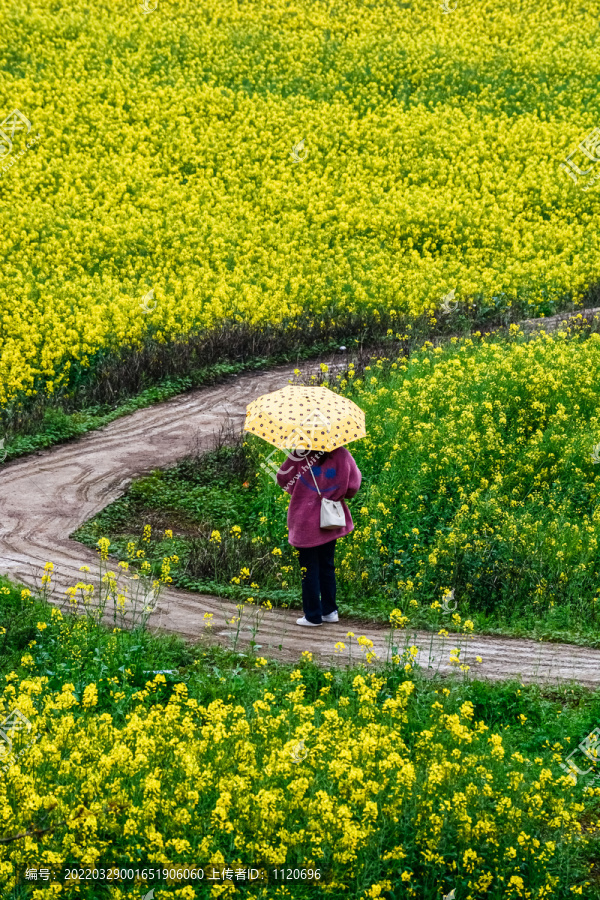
45 497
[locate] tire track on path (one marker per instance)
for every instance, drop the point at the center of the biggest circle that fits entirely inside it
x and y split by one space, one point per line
45 497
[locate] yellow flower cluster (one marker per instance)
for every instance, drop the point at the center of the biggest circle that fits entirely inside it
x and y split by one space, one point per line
172 170
491 479
187 782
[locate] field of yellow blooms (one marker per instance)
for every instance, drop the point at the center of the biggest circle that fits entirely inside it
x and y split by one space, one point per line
481 464
375 784
431 162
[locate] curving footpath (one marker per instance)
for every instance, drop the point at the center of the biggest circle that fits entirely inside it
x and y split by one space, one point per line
45 497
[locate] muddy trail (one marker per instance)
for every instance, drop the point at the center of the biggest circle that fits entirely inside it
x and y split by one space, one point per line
45 497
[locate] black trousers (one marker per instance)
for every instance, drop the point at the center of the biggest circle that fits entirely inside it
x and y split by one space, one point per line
318 582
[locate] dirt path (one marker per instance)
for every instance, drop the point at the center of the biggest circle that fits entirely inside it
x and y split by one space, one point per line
46 496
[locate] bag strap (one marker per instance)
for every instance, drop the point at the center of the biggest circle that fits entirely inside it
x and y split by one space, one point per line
315 481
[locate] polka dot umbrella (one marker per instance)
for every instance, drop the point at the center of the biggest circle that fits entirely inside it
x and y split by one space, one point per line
300 419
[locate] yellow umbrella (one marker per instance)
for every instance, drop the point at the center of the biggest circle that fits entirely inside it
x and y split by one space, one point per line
299 418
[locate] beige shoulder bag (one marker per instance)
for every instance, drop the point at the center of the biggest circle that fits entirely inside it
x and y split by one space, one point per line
332 511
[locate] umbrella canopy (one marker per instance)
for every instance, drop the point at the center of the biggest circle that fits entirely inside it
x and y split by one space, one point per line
302 419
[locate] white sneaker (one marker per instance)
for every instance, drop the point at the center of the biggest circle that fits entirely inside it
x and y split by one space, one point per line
332 617
304 621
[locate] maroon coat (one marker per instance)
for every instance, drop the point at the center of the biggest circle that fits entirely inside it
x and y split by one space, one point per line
337 477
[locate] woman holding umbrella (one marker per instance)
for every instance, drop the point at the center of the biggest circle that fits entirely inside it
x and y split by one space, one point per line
313 424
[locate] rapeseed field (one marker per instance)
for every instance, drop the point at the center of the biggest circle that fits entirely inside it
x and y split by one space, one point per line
170 170
285 164
366 784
